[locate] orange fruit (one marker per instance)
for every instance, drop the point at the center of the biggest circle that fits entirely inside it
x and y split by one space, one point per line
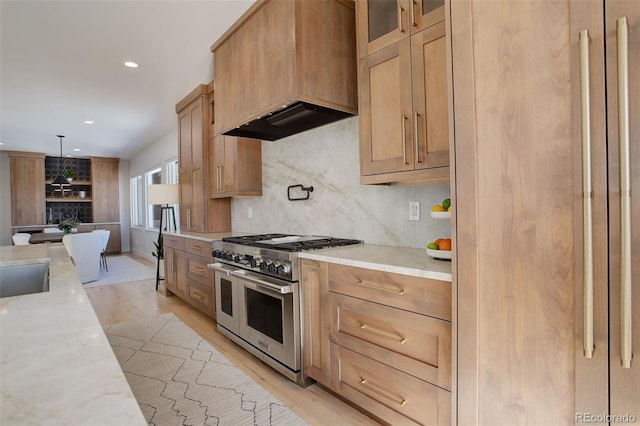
437 208
438 242
445 244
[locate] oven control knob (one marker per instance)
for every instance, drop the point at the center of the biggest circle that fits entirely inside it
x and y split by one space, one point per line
237 258
255 262
216 253
264 265
283 269
273 267
228 256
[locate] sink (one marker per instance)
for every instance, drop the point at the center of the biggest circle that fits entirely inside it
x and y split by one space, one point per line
24 279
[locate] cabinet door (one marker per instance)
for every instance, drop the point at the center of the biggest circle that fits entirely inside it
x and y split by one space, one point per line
27 189
196 213
315 293
176 273
184 140
385 110
624 294
197 112
426 13
186 195
381 23
430 98
105 178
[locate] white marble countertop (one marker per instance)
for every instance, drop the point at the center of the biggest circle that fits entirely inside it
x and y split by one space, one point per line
56 365
400 260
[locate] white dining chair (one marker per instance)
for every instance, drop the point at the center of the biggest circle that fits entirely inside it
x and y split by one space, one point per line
84 250
21 239
104 235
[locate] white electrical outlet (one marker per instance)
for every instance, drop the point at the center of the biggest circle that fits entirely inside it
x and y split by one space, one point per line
250 212
414 210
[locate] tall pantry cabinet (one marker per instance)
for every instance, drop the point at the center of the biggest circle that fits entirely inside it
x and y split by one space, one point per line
517 185
605 65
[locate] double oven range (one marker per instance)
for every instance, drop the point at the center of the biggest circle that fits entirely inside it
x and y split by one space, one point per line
258 295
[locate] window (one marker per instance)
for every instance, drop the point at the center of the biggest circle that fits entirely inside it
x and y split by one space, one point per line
137 201
173 174
153 177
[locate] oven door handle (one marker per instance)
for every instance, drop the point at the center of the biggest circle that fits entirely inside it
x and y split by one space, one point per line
280 289
220 268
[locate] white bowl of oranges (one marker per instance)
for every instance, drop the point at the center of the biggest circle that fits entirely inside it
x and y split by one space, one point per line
442 211
440 248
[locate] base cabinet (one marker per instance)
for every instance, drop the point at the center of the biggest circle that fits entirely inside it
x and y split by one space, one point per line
186 273
379 339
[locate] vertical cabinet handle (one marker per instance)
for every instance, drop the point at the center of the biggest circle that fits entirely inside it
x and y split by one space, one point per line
413 13
400 10
416 137
189 218
587 195
404 139
622 40
221 177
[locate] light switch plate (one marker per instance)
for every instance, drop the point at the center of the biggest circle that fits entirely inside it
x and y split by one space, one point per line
414 210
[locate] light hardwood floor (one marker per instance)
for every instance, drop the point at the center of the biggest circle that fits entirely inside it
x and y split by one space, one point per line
130 301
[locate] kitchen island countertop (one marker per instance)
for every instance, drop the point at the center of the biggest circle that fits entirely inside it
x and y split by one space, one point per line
57 366
399 260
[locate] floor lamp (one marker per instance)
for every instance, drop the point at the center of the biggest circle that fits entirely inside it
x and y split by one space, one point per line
164 195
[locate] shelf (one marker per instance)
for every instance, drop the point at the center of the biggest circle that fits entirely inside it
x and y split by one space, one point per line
75 182
68 200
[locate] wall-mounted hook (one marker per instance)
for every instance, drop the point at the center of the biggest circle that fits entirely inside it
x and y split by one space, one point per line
307 189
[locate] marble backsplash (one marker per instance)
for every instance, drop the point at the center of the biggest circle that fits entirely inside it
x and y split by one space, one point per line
327 158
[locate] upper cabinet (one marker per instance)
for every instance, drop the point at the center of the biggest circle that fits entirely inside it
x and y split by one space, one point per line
384 22
288 65
198 213
404 126
235 164
27 188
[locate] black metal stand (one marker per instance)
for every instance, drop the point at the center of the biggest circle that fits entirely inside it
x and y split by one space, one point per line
160 243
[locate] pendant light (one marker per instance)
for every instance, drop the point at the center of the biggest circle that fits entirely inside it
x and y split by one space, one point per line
60 180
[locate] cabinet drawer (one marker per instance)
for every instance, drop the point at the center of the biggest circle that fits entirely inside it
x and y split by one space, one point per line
200 297
415 294
173 241
197 269
199 247
416 344
394 396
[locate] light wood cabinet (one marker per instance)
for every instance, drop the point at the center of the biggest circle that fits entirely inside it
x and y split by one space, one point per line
27 188
404 108
293 50
315 294
604 384
186 273
381 340
235 164
105 194
198 213
384 22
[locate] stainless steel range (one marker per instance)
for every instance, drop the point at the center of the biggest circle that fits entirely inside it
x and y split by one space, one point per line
258 295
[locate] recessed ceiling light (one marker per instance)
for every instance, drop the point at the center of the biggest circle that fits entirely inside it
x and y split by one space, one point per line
68 155
1 143
130 64
88 122
76 149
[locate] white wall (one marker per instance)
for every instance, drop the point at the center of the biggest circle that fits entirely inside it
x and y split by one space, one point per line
5 200
327 158
153 155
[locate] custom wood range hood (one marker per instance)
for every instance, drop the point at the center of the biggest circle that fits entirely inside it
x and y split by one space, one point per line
285 67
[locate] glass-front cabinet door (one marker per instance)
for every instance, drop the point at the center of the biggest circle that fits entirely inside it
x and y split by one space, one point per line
384 22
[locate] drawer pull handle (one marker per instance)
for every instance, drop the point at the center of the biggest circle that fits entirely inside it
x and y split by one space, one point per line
198 269
400 402
196 248
370 330
377 287
197 295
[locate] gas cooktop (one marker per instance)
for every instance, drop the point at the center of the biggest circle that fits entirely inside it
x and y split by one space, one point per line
287 242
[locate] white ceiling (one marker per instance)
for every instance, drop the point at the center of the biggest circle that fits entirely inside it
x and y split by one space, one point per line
61 64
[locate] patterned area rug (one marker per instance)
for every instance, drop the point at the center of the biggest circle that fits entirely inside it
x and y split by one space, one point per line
123 269
180 379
